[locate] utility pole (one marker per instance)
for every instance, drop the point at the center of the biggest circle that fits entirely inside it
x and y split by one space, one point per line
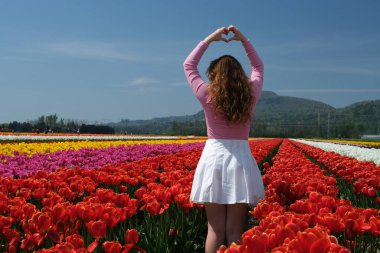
318 124
328 124
336 129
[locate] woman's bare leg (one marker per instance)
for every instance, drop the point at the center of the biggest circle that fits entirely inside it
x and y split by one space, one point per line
216 216
236 218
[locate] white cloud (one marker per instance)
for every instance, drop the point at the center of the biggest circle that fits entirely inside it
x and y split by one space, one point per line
88 50
364 90
139 84
338 60
333 69
143 81
332 42
16 58
179 83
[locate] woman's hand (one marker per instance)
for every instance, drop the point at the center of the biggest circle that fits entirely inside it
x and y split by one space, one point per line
237 34
217 35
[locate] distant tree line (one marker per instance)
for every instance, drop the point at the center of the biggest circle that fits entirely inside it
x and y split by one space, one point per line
320 124
335 130
350 122
277 129
52 124
96 129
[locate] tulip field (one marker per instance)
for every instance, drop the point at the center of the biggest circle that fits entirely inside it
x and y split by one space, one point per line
118 195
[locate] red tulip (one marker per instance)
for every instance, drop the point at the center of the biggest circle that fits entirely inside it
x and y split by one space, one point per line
171 232
306 239
283 233
76 240
16 213
315 197
112 247
43 222
375 225
182 198
176 189
256 244
12 237
24 193
76 187
123 188
140 192
111 219
329 202
153 207
97 228
222 249
371 192
105 195
60 212
322 245
86 213
234 248
29 242
131 236
5 222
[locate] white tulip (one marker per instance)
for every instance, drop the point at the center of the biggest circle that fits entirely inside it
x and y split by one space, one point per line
360 153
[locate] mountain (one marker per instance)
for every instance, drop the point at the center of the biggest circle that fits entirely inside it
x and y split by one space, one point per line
275 115
274 107
365 115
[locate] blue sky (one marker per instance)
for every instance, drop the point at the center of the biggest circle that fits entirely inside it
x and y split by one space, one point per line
111 60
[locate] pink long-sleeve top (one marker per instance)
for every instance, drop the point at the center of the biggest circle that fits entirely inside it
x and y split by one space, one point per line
217 127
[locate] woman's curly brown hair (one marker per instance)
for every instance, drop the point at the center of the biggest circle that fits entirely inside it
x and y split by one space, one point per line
230 89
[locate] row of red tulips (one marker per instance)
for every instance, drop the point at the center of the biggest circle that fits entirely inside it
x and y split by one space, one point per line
74 201
301 212
362 174
78 209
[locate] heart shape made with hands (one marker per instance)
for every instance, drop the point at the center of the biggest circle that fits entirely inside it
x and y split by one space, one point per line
226 32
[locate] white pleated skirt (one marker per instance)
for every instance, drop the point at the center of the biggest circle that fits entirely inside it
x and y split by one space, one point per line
227 173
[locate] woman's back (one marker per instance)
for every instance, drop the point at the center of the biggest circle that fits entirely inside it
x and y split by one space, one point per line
217 126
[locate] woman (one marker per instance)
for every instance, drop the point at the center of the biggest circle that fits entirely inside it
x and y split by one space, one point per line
227 177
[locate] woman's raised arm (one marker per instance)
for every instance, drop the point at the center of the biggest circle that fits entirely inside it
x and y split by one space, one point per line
257 65
191 63
257 73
